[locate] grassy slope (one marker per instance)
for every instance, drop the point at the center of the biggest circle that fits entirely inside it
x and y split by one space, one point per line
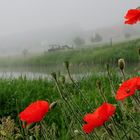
87 55
16 94
127 50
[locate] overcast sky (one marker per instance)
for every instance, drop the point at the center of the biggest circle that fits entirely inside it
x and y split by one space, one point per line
24 15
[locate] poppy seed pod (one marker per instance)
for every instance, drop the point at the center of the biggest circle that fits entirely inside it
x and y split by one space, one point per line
76 132
53 105
66 64
53 74
121 64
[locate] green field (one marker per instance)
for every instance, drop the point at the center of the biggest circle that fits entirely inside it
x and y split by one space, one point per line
84 59
65 120
91 55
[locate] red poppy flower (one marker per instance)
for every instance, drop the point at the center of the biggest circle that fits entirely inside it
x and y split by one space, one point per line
138 83
34 112
99 117
132 16
128 88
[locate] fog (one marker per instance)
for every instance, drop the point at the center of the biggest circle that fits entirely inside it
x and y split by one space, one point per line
24 15
22 19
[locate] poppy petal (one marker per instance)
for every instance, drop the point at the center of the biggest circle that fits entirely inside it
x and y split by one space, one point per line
88 128
34 112
131 13
127 88
138 83
104 111
88 117
132 16
98 117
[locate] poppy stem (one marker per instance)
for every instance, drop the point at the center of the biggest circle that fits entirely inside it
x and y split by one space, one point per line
101 91
78 109
136 101
113 87
83 97
137 98
89 137
114 124
69 106
20 123
69 74
109 133
110 81
26 134
97 135
125 133
74 102
136 124
123 74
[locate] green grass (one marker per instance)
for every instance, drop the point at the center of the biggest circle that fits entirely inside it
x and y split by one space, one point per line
84 97
83 60
86 55
99 55
16 94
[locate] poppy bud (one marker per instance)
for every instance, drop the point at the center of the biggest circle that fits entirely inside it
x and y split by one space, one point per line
76 132
52 105
121 63
66 64
99 84
53 74
62 79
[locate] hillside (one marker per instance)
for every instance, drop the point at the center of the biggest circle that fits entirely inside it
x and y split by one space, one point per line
39 40
85 59
88 54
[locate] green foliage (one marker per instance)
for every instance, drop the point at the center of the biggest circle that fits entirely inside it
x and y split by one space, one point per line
97 38
79 41
82 59
75 98
64 121
99 55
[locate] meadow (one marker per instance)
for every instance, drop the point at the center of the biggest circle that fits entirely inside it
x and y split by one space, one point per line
73 99
82 59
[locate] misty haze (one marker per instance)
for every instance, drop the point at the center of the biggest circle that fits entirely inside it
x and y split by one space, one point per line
38 36
34 25
69 70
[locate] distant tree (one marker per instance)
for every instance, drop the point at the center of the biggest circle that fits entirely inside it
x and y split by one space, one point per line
97 38
25 52
92 39
127 35
79 41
